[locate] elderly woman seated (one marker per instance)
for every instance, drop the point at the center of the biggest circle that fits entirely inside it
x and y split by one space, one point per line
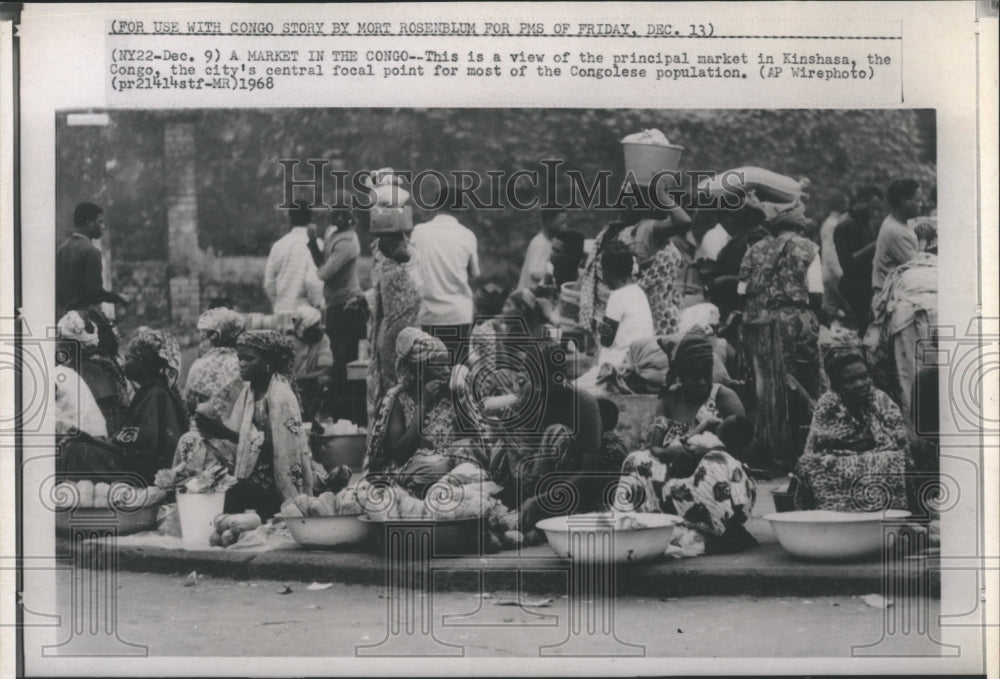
415 438
858 441
151 426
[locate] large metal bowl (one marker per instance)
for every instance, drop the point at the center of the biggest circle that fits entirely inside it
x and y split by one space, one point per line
127 522
327 532
597 537
451 537
833 536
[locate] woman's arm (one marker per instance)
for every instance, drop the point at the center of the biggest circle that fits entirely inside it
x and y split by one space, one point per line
728 403
401 442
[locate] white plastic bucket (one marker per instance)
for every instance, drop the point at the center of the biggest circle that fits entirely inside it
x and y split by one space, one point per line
645 160
197 510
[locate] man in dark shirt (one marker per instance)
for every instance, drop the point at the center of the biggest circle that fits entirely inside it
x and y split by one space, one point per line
79 270
745 228
855 239
337 267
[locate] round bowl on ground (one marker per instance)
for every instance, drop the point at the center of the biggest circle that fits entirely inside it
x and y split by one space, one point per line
832 536
127 522
451 537
339 449
623 537
327 532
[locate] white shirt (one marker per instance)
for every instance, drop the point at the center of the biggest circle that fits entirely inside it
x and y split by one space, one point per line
447 255
76 408
290 278
711 243
627 305
535 261
814 279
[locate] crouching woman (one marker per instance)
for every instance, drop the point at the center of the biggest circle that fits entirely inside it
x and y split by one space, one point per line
272 450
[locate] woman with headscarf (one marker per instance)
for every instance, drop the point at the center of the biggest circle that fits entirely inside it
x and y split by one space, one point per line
414 436
523 316
396 304
550 442
152 424
709 488
95 358
781 278
313 359
214 377
272 462
856 455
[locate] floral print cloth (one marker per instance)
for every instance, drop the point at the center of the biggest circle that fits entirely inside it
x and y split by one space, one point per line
774 270
854 462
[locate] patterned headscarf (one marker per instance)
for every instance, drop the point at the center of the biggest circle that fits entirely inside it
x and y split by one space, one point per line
305 317
156 348
840 356
414 348
276 347
225 323
73 326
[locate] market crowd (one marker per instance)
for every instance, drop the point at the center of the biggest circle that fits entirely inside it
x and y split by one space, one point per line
525 383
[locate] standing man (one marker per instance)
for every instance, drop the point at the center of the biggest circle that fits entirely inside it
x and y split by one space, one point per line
897 243
290 278
448 257
540 248
79 270
855 239
336 259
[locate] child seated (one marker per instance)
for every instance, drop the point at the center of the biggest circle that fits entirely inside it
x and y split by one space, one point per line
732 435
627 316
613 448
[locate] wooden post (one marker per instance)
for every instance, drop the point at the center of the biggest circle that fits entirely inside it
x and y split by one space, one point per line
761 344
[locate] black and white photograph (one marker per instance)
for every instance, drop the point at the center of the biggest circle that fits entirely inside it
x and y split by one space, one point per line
336 349
534 339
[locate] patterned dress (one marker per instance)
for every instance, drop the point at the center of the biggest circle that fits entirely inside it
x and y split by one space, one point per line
396 305
854 462
716 497
659 280
659 273
774 270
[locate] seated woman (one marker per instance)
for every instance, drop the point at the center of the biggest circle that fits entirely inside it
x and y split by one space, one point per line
213 385
857 433
709 488
552 439
95 358
313 359
413 438
272 463
214 376
152 424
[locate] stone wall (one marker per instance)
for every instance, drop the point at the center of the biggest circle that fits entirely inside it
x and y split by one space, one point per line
145 282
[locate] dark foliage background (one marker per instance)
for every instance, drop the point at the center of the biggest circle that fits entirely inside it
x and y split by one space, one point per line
240 181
